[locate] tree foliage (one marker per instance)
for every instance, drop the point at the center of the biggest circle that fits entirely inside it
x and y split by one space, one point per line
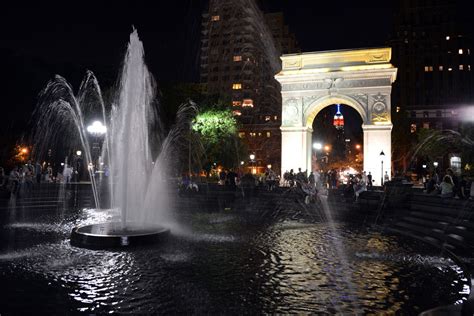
215 125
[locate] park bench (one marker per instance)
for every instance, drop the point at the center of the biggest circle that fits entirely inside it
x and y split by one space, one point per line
446 221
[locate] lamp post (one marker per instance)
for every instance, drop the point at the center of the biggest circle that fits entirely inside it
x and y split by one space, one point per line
252 160
96 129
382 154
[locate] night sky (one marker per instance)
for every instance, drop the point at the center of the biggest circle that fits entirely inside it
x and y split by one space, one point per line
67 38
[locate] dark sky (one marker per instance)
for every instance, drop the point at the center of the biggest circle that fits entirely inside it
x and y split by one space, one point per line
42 39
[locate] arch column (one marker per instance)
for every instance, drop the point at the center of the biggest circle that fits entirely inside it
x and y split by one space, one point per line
296 148
377 138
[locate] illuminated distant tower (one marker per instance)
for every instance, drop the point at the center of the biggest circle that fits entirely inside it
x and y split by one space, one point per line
338 119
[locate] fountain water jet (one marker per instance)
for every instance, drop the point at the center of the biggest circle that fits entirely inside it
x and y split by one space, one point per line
138 186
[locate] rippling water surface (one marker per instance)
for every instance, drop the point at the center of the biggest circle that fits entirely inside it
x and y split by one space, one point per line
220 263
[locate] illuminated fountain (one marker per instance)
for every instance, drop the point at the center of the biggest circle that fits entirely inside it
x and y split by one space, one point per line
138 190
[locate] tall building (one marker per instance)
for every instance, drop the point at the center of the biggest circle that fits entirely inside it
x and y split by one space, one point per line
433 54
239 58
285 41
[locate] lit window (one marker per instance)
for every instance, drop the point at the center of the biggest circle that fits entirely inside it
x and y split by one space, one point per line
461 67
237 113
259 134
236 86
450 69
269 134
241 134
460 51
469 67
253 134
426 125
275 117
440 68
447 38
267 118
215 18
238 58
248 103
236 103
426 68
398 109
469 51
412 128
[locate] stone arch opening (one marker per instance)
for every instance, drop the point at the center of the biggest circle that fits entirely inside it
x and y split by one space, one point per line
335 148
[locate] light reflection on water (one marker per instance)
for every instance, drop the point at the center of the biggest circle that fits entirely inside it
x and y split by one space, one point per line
221 264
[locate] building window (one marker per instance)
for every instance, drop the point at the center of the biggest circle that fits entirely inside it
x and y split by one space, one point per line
455 163
398 109
215 18
269 134
236 103
412 128
259 134
237 58
461 67
267 118
237 113
248 103
428 68
447 38
460 51
450 69
237 86
241 134
440 68
426 114
252 134
275 118
469 67
426 125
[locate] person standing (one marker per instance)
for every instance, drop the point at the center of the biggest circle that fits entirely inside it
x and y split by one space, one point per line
38 172
369 180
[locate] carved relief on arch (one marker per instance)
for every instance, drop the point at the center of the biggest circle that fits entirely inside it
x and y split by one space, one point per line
379 110
291 111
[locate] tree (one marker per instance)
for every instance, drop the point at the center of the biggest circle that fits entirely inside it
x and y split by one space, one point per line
217 130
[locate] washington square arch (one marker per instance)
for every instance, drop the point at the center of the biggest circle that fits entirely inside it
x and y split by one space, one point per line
360 78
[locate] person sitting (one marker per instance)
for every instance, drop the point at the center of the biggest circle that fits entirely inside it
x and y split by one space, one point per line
447 187
360 186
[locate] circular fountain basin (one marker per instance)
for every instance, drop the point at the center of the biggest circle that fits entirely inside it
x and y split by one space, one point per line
114 235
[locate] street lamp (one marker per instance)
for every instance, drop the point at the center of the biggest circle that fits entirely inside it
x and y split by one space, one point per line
79 153
252 160
382 154
318 146
97 128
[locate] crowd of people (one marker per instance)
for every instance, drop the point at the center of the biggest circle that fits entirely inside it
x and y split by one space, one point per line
22 178
449 185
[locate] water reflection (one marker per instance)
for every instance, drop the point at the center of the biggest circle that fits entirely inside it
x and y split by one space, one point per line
222 264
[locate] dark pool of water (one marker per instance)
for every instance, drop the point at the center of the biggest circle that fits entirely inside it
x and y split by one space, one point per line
221 263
